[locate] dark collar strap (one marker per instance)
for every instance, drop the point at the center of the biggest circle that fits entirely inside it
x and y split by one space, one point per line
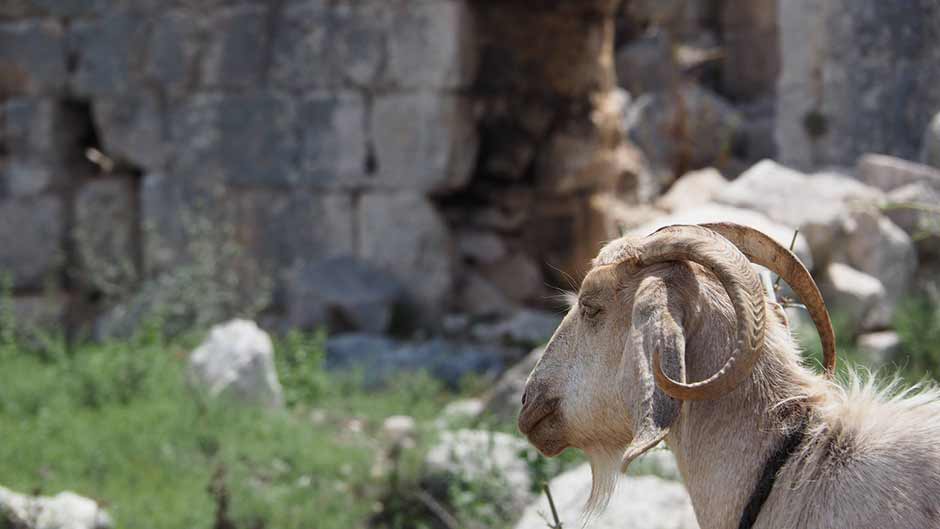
767 479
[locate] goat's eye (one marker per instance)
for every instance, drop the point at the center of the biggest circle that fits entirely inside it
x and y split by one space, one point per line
590 311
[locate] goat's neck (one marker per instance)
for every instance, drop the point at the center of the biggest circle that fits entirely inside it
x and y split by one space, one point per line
722 446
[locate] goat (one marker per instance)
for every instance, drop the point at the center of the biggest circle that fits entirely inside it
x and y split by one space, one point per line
685 304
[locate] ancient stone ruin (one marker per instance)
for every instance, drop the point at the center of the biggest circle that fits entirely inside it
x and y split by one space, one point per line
207 159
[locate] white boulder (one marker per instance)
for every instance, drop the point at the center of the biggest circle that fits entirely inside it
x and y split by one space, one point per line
484 456
781 233
237 359
645 502
65 510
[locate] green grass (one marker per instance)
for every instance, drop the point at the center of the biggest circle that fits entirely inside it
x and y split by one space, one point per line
917 322
118 423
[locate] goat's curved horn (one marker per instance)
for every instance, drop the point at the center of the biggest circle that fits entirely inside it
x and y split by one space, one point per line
734 271
766 252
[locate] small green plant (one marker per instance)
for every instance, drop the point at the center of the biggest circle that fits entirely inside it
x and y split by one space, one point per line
917 323
300 359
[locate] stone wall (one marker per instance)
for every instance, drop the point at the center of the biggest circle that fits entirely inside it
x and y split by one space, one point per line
428 138
858 76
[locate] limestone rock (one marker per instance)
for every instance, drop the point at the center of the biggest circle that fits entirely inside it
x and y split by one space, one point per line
821 205
32 58
483 456
341 294
879 348
692 189
852 295
909 207
432 46
133 129
65 510
172 51
110 47
348 44
459 412
645 502
423 141
888 172
244 139
237 50
781 233
689 129
403 235
333 151
31 231
878 247
833 117
930 148
237 360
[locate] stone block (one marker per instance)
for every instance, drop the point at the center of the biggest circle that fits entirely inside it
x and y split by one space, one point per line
132 129
243 139
431 45
31 241
424 141
25 178
237 51
333 152
32 58
108 50
32 129
340 294
104 236
285 228
404 235
321 44
172 49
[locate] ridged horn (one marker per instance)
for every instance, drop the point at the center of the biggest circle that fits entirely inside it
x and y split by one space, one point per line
732 268
763 250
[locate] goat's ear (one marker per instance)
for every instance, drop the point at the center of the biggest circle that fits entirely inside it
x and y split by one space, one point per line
654 412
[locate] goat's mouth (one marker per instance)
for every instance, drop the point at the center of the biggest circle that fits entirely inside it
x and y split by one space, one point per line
541 423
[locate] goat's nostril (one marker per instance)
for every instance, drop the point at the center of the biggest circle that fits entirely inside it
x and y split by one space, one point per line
525 393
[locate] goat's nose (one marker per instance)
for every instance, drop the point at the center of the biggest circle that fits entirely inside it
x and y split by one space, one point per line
525 394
